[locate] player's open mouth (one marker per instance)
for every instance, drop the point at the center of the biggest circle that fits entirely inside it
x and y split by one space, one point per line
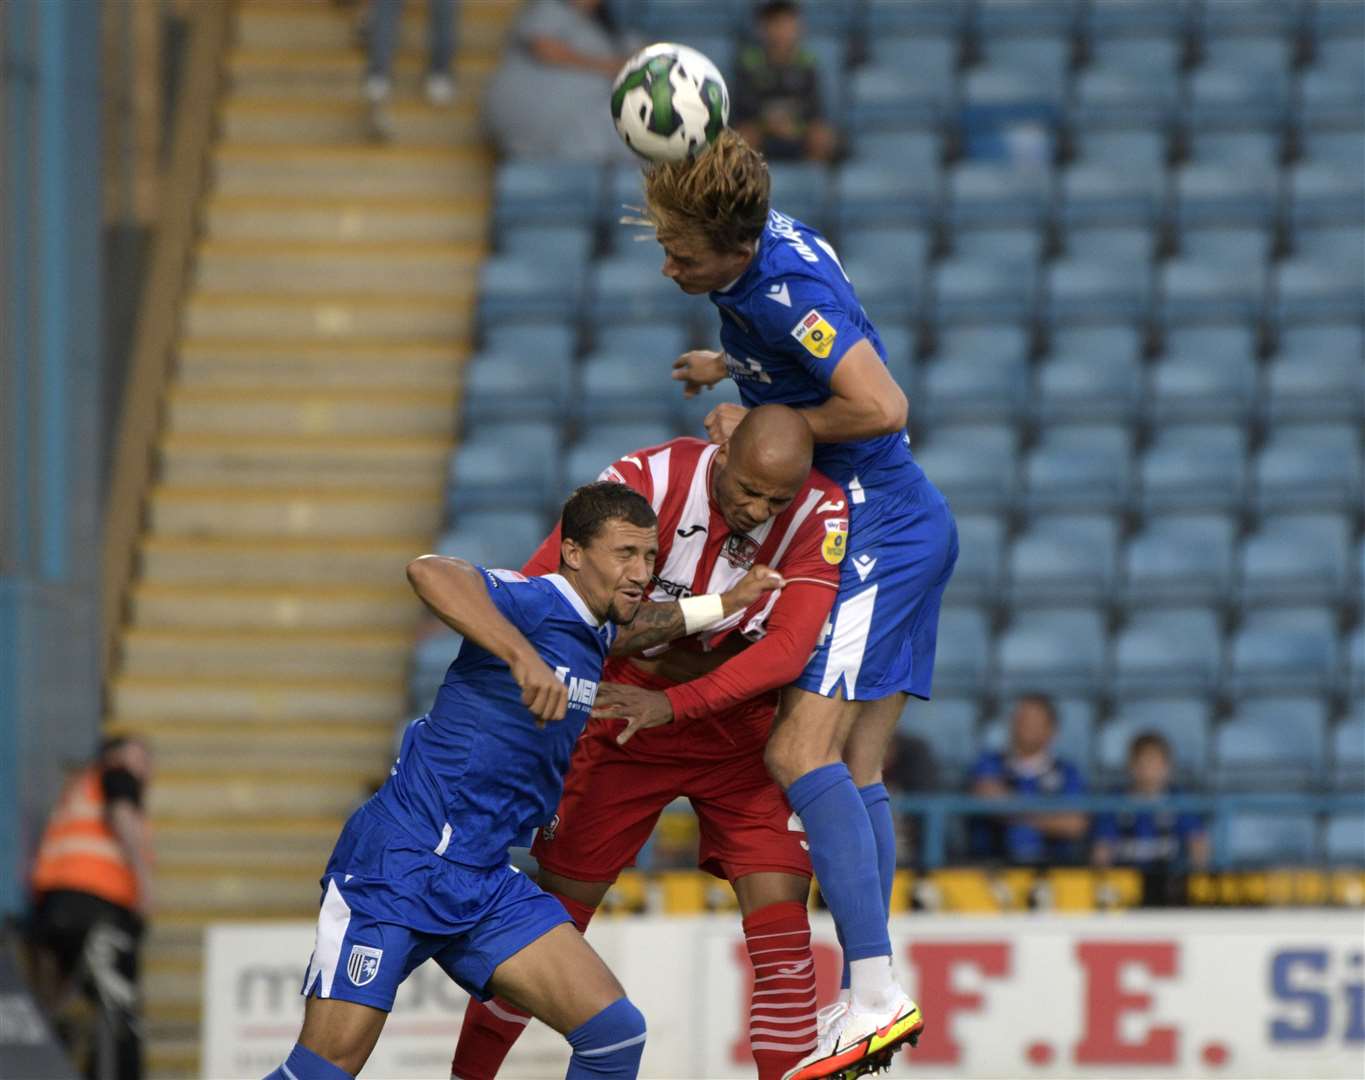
633 595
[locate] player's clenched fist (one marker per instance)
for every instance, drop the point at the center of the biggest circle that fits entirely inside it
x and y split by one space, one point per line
759 580
699 370
723 419
541 691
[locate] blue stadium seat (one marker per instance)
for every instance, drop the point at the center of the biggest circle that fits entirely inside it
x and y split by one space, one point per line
1089 291
1325 193
929 55
1079 469
1152 56
976 578
1063 650
692 411
1010 113
887 268
1063 560
877 194
1330 98
520 289
1316 292
801 190
1318 375
882 96
1343 840
531 340
1271 743
554 194
1338 48
1167 652
651 344
962 657
587 458
561 245
1296 560
1355 661
431 658
1184 721
1092 374
1002 21
1309 467
949 726
623 290
1348 751
1024 245
1202 292
936 17
1208 195
982 196
1194 468
1335 245
1258 150
516 386
899 342
1075 739
969 290
505 466
1229 248
1128 245
1109 194
1261 839
1114 95
917 152
503 538
1284 650
976 466
625 387
1138 153
1179 560
978 374
1198 384
1236 97
624 194
1119 19
1260 26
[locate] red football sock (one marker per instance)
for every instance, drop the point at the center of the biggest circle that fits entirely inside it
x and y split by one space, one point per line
491 1028
782 1008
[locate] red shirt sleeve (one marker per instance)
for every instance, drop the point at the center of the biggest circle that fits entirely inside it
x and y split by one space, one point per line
629 470
795 622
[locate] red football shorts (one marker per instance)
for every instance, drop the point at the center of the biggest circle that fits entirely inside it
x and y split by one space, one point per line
614 794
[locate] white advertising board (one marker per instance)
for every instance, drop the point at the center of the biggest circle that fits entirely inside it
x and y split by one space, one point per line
1179 994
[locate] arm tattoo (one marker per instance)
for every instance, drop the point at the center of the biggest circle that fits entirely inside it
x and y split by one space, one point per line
654 624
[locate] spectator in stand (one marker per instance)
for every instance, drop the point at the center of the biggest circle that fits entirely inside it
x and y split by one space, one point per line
92 895
775 98
909 769
1028 767
382 30
548 100
1160 843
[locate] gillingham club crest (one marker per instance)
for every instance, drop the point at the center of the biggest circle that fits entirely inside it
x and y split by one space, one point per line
363 964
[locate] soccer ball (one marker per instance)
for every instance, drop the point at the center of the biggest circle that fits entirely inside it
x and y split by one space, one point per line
669 102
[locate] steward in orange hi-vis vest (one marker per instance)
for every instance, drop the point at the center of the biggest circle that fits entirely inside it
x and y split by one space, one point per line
79 851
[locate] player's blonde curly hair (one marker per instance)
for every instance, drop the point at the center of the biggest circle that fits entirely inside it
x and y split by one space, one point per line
721 195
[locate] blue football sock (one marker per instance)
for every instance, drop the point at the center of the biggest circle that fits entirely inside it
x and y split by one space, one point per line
843 851
878 804
609 1045
303 1064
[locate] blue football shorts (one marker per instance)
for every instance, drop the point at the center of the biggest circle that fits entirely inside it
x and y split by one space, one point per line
880 637
388 906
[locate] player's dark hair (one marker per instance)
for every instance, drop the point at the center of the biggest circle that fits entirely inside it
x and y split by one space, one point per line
1149 740
721 195
593 505
1042 701
770 9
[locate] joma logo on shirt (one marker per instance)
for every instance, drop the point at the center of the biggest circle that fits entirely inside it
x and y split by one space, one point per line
582 692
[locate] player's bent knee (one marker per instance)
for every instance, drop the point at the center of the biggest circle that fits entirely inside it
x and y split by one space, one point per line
789 755
610 1044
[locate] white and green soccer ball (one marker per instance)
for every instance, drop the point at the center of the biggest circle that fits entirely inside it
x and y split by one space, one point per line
669 102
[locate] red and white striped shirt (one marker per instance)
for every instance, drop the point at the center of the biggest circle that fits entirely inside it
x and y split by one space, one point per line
698 553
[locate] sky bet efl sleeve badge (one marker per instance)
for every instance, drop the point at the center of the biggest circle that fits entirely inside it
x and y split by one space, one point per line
836 540
816 335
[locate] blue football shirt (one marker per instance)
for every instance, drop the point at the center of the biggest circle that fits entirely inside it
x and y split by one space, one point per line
1150 836
1022 842
476 775
785 325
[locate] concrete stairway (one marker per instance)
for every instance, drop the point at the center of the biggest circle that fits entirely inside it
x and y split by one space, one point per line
305 438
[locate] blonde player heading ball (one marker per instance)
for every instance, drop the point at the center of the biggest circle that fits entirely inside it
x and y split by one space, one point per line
793 332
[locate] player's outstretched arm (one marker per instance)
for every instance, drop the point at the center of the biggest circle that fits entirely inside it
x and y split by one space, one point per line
455 592
658 622
865 401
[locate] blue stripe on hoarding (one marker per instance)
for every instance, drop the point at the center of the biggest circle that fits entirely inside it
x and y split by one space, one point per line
54 274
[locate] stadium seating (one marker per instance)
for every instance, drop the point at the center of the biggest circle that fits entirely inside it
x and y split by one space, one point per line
1310 467
1063 560
1179 559
1194 468
981 543
1285 650
1347 753
1344 839
1075 732
1184 721
1272 744
1079 468
1206 377
1301 559
587 458
963 651
1262 839
1063 650
1092 374
976 466
949 726
1167 652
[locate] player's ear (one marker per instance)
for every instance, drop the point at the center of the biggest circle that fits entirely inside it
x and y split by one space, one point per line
722 455
570 554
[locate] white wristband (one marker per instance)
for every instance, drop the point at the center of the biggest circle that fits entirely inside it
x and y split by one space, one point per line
701 612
